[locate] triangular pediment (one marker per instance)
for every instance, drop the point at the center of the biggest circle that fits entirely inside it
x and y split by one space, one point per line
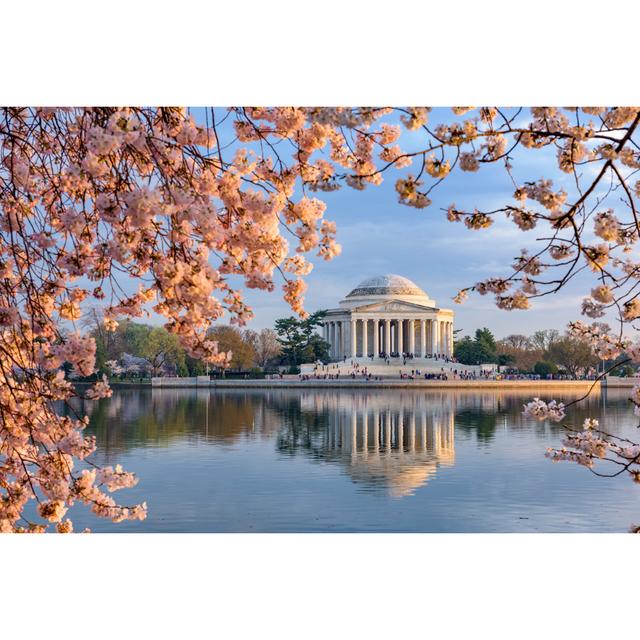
392 306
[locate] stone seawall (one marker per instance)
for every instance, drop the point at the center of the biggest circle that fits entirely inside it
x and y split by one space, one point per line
542 385
613 382
196 381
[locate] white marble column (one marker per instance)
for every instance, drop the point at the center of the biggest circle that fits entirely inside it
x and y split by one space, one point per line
445 338
365 337
434 337
427 332
400 336
423 338
376 338
335 339
332 341
387 336
430 332
354 337
412 336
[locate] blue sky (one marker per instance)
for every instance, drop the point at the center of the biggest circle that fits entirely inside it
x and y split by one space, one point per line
378 235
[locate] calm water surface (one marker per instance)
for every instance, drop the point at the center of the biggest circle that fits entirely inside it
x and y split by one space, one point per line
354 460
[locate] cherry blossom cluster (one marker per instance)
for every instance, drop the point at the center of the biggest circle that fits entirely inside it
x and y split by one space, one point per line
598 147
541 410
604 345
591 443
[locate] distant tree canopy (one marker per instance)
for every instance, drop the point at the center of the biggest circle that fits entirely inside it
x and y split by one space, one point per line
572 354
479 350
546 351
505 360
543 368
230 338
299 340
162 348
520 350
163 351
265 344
155 344
544 338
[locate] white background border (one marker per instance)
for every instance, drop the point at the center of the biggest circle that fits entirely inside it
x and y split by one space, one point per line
318 586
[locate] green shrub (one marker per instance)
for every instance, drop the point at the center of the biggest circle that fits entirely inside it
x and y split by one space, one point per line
543 368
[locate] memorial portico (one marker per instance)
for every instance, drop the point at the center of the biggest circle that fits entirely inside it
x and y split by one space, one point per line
388 316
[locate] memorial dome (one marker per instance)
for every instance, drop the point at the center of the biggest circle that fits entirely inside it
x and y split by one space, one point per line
386 285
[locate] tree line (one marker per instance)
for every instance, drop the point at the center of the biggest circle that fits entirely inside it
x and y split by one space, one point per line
136 349
544 352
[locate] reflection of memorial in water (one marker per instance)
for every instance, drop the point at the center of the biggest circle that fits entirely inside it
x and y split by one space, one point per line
388 440
394 443
143 417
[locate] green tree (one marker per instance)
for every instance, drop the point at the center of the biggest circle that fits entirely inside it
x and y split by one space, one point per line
481 350
465 351
299 340
129 337
316 349
571 354
506 359
486 346
161 349
195 367
543 368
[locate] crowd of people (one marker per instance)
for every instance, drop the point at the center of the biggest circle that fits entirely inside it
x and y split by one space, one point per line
358 371
406 356
332 372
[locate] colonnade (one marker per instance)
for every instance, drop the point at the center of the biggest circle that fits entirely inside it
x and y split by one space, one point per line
395 450
365 337
383 430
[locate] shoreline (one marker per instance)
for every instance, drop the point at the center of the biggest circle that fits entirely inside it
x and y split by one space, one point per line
546 385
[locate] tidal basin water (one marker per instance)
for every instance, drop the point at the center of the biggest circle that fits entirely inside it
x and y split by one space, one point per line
354 460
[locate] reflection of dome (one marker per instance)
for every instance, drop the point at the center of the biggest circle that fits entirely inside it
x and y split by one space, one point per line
399 475
387 285
408 480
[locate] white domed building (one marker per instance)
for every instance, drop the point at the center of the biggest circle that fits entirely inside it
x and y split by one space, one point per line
387 316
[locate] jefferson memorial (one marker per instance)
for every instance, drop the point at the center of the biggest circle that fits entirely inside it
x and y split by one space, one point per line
388 316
